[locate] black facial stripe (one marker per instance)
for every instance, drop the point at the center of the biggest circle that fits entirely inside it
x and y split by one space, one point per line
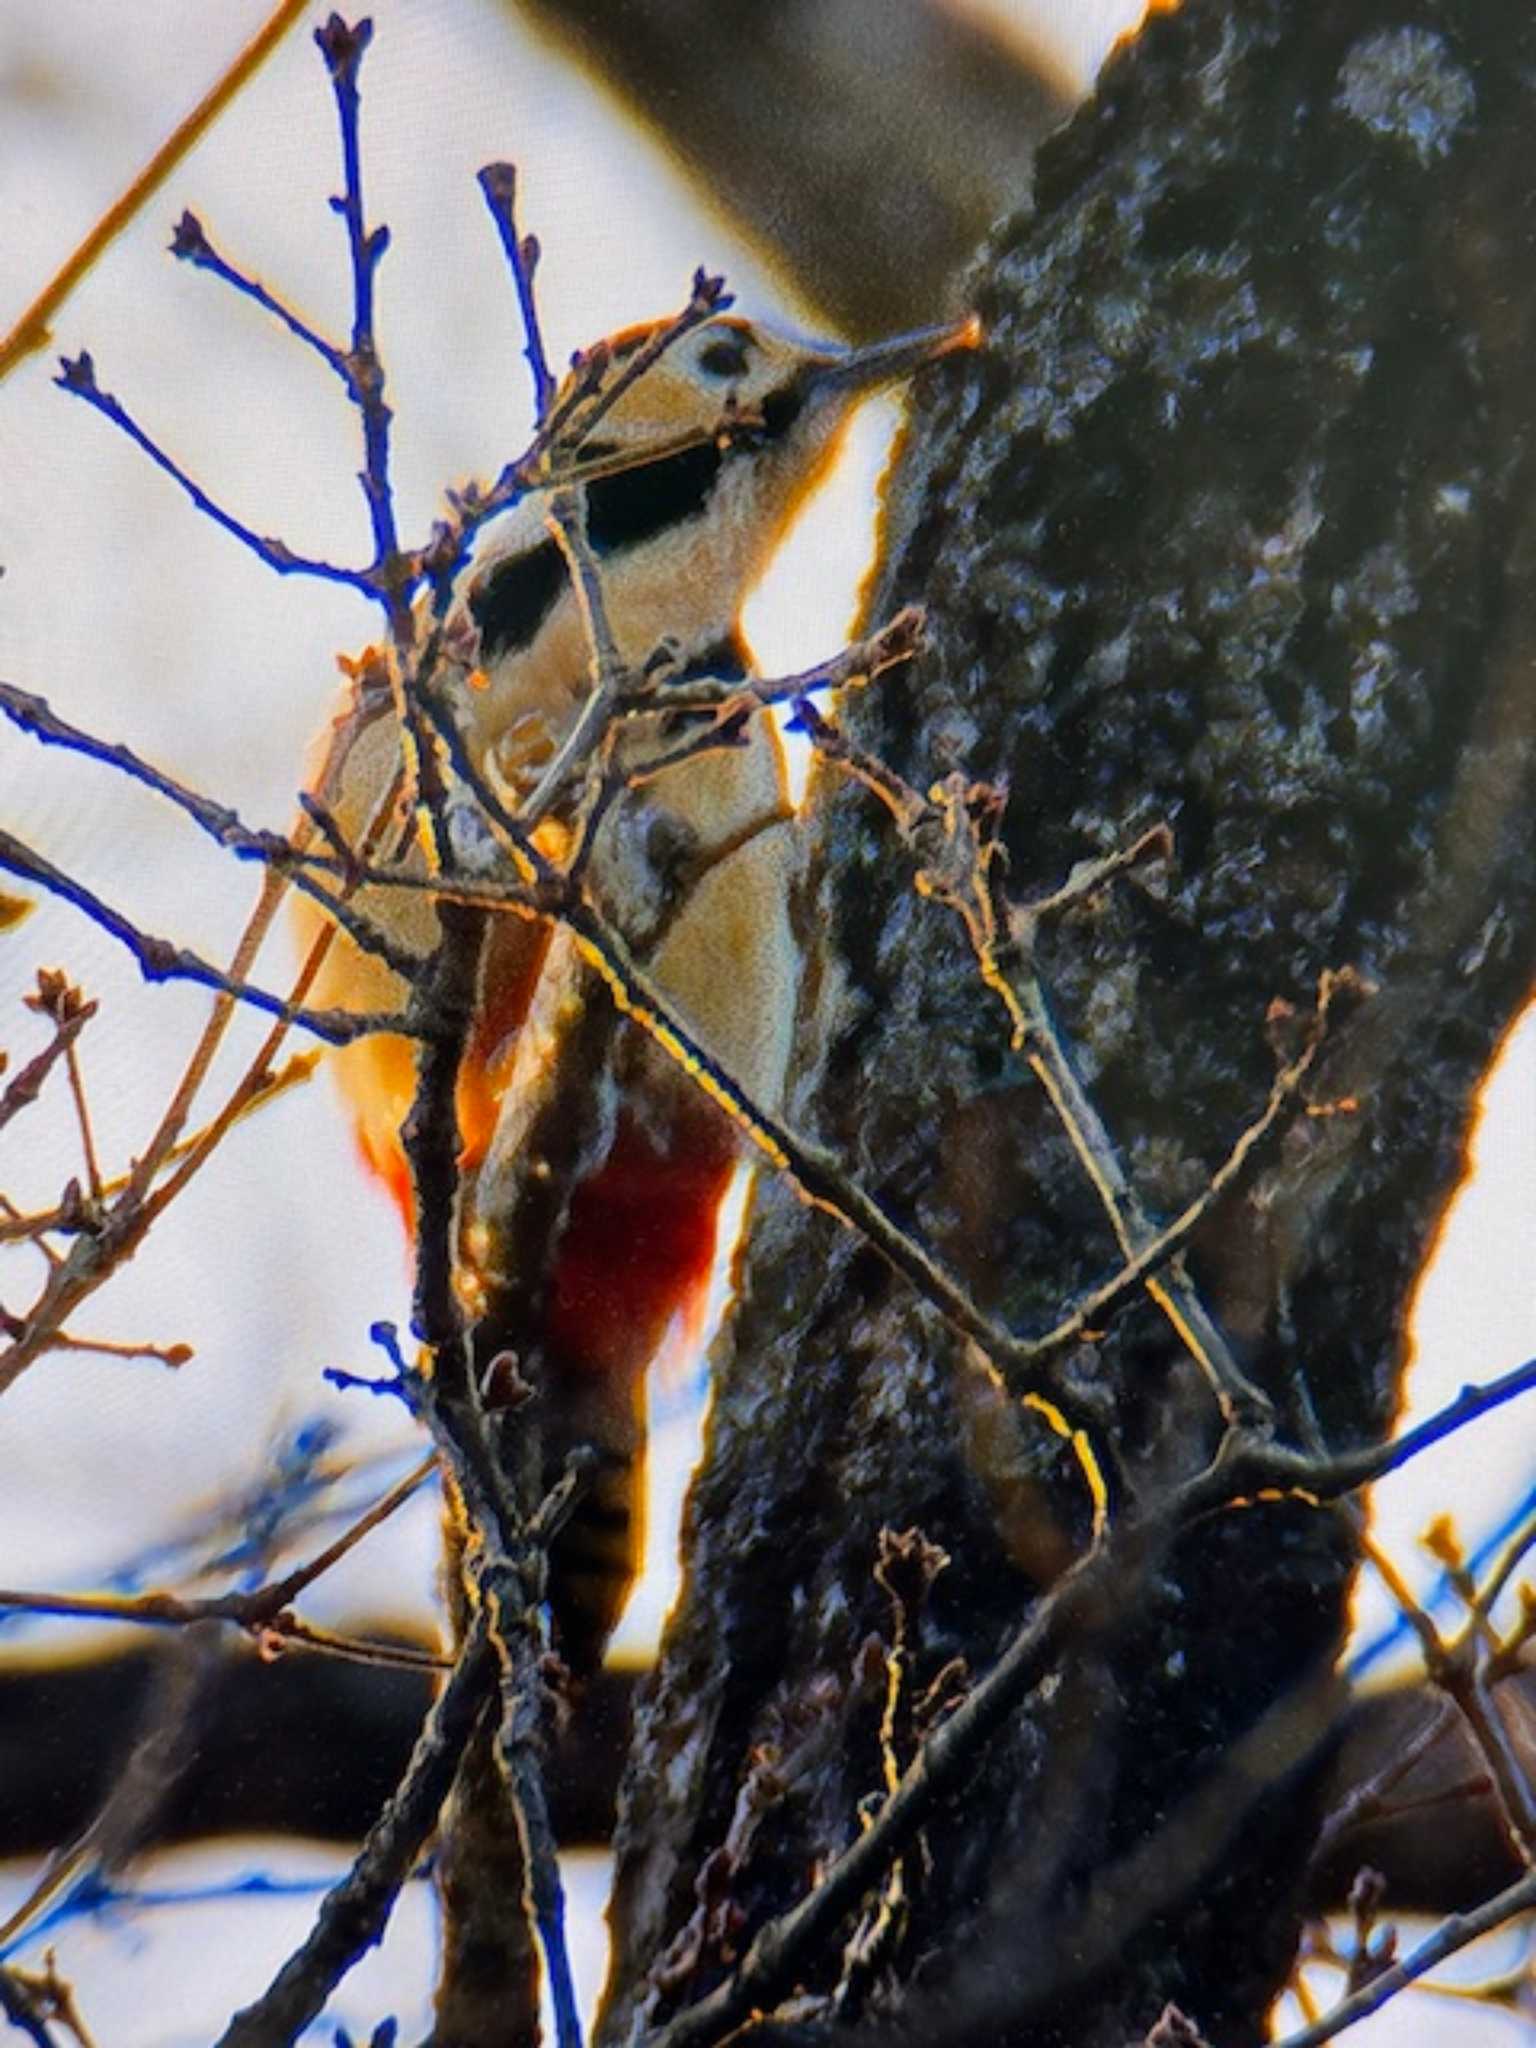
723 660
511 602
780 410
638 503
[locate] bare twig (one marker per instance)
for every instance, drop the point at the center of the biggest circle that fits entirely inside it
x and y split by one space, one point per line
160 960
1105 1584
67 1215
1453 1934
31 331
343 47
1330 1476
1162 1246
353 1914
77 375
1461 1670
261 1611
498 182
953 832
1368 1800
579 751
22 2008
172 1355
222 824
190 245
26 1084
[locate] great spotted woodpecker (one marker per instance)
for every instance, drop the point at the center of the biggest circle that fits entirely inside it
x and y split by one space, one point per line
694 471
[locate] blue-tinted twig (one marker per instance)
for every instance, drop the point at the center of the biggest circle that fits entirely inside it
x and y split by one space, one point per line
384 2035
499 184
190 244
260 1608
1341 1472
385 1386
222 824
159 960
95 1895
77 375
401 1382
1504 1537
261 1515
19 2004
343 48
354 1912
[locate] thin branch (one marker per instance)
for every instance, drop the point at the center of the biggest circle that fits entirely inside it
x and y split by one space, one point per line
1330 1476
20 2004
343 47
93 1257
220 822
31 331
1460 1670
852 667
724 709
589 400
353 1914
26 1084
93 1181
518 1740
1158 1249
1453 1934
1507 1564
293 1629
172 1355
1368 1800
159 960
67 1215
77 376
261 1611
610 672
303 1576
190 245
498 182
1104 1585
954 834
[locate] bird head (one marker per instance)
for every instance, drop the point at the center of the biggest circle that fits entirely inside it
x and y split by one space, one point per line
732 423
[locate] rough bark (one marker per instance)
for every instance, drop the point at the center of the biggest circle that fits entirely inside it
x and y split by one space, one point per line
1227 525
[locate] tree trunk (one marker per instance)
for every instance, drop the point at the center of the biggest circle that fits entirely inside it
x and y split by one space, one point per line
1227 525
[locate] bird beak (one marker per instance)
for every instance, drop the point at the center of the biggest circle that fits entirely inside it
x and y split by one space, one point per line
887 362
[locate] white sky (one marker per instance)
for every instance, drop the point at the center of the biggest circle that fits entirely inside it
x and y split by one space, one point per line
139 620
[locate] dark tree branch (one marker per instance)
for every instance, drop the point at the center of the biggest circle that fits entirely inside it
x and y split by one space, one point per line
919 120
352 1918
160 960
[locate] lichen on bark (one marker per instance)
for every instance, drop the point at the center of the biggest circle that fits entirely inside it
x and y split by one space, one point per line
1227 525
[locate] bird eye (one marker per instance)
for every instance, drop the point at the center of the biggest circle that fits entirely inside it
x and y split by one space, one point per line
724 359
